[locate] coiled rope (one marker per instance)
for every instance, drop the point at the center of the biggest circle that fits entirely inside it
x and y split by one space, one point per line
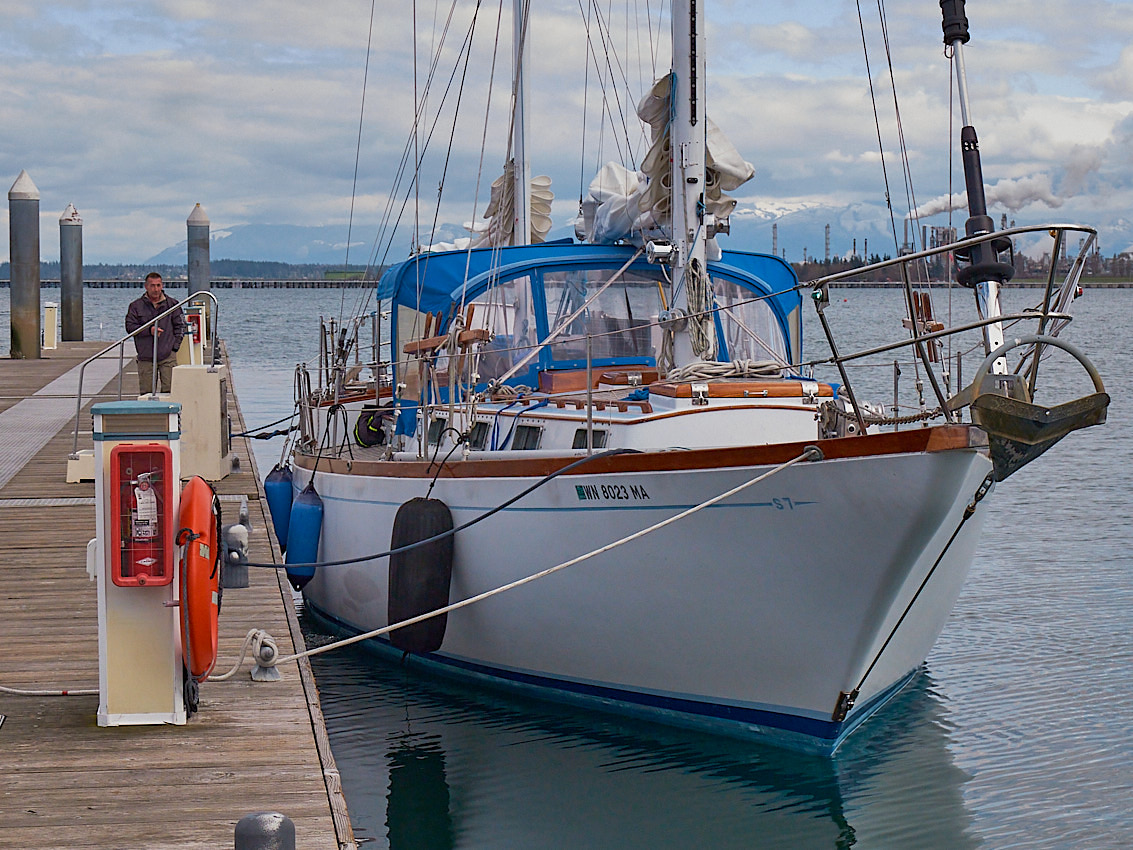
736 369
700 310
263 649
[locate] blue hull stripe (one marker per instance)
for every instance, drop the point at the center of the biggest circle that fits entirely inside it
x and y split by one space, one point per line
827 733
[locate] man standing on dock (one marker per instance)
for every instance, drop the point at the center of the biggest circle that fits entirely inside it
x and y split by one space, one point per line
159 342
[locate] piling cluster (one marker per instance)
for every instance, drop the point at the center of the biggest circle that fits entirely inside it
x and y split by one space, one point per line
23 223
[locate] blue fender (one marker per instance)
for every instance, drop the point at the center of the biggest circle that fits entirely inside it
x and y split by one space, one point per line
279 493
305 527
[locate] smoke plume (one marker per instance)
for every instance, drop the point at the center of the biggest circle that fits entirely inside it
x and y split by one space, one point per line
1014 194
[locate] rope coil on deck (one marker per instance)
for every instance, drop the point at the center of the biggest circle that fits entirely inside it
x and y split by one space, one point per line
746 368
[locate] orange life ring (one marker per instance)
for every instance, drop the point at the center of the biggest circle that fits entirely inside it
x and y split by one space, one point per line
199 524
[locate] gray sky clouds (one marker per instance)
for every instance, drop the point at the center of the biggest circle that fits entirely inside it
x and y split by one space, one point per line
135 111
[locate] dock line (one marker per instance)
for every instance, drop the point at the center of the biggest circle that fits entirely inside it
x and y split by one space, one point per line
810 453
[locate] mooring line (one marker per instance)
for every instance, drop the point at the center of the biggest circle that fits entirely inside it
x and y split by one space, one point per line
811 453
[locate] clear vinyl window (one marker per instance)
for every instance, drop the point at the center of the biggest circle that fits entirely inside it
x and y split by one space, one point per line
620 321
751 331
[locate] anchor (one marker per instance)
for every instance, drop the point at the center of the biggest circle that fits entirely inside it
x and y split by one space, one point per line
1019 430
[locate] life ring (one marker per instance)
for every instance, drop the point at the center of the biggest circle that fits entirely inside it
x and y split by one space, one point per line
199 524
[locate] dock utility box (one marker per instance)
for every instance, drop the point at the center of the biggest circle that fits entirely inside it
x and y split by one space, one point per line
202 392
137 492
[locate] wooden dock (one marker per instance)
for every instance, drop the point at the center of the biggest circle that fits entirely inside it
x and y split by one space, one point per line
253 747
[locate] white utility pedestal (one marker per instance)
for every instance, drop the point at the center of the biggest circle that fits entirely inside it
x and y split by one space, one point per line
137 495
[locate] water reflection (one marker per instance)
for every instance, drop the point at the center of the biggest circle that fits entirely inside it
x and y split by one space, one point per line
465 767
417 811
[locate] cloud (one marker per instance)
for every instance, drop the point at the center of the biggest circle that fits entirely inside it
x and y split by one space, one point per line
135 111
1117 79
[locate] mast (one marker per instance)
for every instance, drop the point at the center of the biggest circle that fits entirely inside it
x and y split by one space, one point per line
521 171
687 154
985 271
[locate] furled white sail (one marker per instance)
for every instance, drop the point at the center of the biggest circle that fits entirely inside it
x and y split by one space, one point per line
498 226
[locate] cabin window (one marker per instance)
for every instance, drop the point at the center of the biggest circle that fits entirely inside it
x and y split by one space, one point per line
751 331
506 309
620 321
526 437
580 439
478 436
436 428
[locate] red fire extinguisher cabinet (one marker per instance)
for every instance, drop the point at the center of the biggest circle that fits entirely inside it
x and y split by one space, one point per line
141 481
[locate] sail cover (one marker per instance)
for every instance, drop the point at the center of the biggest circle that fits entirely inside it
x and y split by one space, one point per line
625 205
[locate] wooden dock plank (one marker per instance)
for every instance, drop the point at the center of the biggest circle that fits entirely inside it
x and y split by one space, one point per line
252 746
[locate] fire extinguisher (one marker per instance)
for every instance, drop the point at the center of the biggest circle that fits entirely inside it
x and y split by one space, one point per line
143 544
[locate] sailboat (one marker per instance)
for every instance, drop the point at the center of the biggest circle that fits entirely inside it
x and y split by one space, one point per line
601 470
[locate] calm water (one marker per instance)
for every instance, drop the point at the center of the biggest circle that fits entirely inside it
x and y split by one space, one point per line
1016 734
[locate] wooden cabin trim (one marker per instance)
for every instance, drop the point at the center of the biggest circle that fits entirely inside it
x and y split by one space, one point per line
740 389
939 438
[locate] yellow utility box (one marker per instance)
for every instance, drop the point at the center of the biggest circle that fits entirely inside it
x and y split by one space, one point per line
202 392
50 326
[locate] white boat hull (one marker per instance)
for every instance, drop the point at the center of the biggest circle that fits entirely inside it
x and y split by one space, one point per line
751 616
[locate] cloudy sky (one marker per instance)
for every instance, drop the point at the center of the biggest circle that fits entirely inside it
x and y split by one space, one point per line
135 111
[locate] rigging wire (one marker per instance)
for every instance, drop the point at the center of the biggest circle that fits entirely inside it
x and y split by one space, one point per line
452 131
400 171
483 143
582 185
903 153
383 240
910 194
951 54
910 306
419 107
357 153
606 33
652 46
607 83
877 126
